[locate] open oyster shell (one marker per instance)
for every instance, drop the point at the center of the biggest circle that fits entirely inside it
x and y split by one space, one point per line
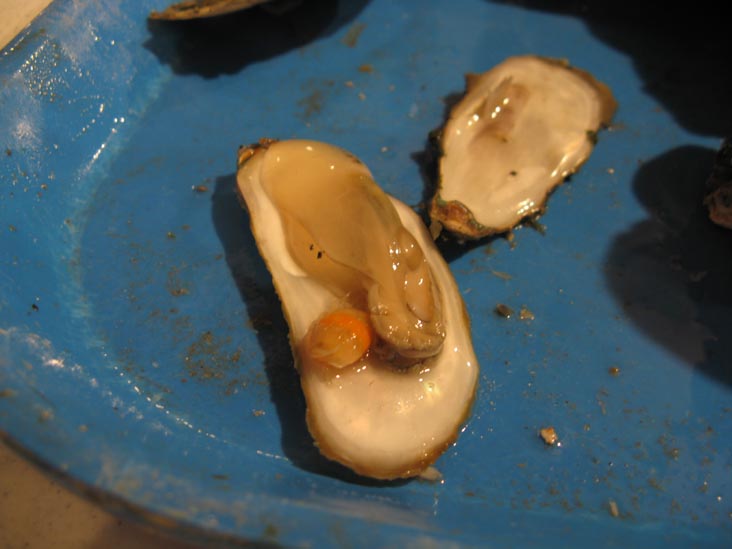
519 131
200 9
333 241
718 192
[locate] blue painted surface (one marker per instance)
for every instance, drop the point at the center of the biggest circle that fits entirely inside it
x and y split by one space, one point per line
142 349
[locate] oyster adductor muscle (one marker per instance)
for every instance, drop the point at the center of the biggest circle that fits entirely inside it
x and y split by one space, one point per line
519 131
378 329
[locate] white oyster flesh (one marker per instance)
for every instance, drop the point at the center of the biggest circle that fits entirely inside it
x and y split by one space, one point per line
333 241
519 131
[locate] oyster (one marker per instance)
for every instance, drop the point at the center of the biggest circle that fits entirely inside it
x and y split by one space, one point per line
378 328
519 131
718 192
198 9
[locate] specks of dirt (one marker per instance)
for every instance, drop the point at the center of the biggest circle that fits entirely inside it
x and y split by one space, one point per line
671 451
549 436
177 292
174 285
220 477
501 275
600 397
200 189
7 393
131 365
12 228
312 103
271 531
351 37
34 308
83 428
45 416
613 371
206 357
366 67
8 152
503 310
257 413
613 509
170 235
526 314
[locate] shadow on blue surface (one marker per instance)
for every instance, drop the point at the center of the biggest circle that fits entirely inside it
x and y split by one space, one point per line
672 272
680 52
226 44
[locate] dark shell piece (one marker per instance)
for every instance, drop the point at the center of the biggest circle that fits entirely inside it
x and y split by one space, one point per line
718 194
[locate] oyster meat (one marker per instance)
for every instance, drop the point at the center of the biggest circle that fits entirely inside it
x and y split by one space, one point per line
378 328
519 131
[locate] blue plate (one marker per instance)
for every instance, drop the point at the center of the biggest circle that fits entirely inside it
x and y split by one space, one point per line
143 354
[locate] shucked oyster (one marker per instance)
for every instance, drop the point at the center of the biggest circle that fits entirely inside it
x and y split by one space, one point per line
519 131
199 9
378 328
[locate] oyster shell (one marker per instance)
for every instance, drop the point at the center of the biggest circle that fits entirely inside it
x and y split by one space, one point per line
199 9
378 329
519 131
718 191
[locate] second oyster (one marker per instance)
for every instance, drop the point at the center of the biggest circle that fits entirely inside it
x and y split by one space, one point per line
519 131
718 193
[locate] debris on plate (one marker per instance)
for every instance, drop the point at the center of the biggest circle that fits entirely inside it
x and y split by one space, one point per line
549 436
519 131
